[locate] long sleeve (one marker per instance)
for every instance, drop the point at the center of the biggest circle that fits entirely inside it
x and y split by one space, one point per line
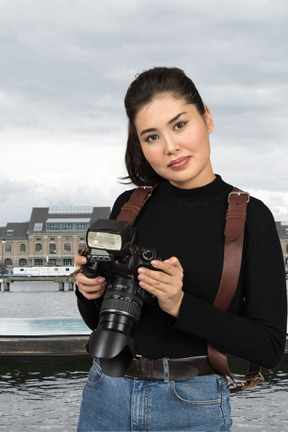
88 310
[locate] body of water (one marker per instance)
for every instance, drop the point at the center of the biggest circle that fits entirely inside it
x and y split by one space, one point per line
46 395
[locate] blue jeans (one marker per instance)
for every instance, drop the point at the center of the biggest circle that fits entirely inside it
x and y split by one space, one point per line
125 404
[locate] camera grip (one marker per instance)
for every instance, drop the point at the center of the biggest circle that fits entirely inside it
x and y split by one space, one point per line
89 272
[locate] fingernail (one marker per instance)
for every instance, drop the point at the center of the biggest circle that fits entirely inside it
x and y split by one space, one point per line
154 263
101 279
141 270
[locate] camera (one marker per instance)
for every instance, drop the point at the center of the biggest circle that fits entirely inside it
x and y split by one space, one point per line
113 255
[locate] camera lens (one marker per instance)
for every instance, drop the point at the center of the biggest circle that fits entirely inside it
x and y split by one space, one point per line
123 297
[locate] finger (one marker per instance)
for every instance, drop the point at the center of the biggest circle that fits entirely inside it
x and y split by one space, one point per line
165 266
80 260
91 291
174 262
93 295
90 283
154 280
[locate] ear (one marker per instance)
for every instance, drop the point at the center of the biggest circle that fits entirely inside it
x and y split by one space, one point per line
209 120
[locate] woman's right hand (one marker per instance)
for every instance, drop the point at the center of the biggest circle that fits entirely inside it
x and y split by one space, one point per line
90 288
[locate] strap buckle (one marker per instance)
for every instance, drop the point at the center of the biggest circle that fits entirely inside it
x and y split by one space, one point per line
150 188
238 193
251 380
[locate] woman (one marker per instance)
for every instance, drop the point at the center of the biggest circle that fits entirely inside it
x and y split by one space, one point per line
168 143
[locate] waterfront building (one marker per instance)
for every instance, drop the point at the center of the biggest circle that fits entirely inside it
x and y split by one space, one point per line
54 234
51 237
282 228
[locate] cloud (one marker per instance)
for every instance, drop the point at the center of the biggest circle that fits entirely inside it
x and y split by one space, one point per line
65 69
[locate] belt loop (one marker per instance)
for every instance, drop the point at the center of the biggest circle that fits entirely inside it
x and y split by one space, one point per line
165 369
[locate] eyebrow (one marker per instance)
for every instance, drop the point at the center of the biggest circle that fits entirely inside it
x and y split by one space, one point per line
170 121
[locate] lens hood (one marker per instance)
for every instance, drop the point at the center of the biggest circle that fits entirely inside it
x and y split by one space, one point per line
114 349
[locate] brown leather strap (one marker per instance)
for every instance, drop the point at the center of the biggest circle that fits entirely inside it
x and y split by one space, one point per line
236 216
134 205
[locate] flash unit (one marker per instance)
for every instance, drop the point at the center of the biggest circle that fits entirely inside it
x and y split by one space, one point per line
111 235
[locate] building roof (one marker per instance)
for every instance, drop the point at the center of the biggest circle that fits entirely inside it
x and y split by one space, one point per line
14 231
41 215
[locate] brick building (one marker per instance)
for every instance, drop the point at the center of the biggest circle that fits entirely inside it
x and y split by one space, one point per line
51 237
282 228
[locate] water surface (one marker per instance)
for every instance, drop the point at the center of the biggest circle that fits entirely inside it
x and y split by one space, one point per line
45 395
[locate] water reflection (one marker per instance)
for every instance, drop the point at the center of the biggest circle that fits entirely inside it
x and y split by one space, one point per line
265 407
46 395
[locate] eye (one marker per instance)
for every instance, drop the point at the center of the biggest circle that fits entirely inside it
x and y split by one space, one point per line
152 138
179 125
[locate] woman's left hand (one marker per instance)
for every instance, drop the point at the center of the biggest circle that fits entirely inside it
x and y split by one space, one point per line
165 284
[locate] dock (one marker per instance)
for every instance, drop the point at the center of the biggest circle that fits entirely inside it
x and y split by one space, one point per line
61 280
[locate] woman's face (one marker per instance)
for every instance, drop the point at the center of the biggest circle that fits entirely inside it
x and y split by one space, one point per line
175 140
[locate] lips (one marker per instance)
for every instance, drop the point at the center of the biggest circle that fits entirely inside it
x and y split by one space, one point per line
179 163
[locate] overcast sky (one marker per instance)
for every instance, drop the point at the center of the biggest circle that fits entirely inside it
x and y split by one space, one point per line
65 66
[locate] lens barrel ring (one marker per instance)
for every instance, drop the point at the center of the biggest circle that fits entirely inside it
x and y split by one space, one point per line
122 305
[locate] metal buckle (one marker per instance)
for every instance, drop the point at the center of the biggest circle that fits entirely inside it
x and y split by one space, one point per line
147 187
239 193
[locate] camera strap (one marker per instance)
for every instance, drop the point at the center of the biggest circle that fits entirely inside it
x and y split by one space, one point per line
134 205
236 216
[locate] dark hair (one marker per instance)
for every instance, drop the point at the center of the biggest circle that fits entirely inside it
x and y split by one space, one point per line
143 90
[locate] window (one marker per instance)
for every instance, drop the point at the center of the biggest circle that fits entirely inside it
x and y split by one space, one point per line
38 247
38 226
82 244
52 248
67 247
52 262
8 247
10 232
22 262
71 210
8 262
38 262
286 248
67 224
22 247
67 262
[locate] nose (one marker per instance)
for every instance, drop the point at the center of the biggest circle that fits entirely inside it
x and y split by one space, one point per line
172 145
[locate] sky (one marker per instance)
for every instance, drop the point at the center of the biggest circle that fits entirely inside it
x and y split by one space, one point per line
65 66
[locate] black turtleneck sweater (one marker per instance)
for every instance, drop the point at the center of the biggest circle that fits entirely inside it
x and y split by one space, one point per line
189 224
